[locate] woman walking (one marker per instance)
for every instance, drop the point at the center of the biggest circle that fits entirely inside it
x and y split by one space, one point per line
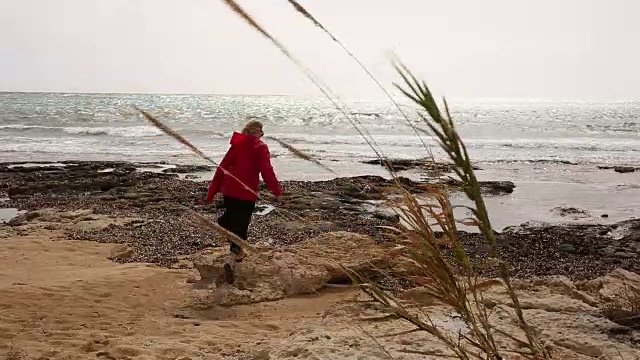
247 159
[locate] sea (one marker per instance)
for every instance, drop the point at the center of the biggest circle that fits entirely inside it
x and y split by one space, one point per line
52 126
549 148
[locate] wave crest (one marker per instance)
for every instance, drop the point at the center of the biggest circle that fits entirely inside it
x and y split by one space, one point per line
128 131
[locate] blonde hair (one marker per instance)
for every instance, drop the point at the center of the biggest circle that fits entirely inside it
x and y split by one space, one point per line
252 127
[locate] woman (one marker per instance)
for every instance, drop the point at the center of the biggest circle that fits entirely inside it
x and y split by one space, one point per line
246 159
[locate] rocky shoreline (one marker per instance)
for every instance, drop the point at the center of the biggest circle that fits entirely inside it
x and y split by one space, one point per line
163 234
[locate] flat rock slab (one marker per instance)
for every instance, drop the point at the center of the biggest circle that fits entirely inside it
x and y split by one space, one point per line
303 268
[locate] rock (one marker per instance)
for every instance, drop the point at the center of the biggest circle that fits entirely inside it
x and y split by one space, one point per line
572 212
620 169
579 252
624 169
581 347
497 187
567 248
391 217
614 284
25 218
319 226
488 187
121 252
609 250
584 297
302 268
624 255
555 303
418 295
71 215
408 164
561 284
261 355
182 169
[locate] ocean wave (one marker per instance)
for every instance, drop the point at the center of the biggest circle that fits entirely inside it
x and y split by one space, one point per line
409 141
128 131
626 127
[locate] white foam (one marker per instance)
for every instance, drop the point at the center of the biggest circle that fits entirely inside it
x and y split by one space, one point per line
9 213
27 165
120 131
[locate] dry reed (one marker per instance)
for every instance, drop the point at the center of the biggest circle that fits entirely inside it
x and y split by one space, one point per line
300 155
462 293
625 310
451 281
206 222
300 9
326 91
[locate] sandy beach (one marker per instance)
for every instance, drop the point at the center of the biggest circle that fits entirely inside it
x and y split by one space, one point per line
100 261
446 180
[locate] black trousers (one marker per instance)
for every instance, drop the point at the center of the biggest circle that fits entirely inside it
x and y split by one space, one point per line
236 218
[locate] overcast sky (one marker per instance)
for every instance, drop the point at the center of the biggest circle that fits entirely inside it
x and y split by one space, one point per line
463 48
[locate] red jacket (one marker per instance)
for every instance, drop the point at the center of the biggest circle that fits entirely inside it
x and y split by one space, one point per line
246 159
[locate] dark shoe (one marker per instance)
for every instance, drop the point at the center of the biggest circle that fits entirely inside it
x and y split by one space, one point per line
237 253
229 276
240 255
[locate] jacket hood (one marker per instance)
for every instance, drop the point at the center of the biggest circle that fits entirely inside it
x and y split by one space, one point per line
239 138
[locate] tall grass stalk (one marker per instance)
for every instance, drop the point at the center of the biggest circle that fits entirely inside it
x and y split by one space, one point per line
300 155
181 139
238 10
443 128
453 284
452 281
300 9
203 220
326 91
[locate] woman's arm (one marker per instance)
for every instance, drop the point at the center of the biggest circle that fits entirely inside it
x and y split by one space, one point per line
266 169
218 176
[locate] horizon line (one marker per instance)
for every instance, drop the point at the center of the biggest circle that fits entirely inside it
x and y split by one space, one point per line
617 99
129 93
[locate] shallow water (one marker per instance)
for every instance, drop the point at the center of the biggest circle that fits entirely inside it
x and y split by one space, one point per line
7 214
542 191
542 188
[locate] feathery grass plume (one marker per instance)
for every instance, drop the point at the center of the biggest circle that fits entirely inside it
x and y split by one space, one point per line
235 7
440 280
438 276
428 256
444 129
299 8
299 154
325 90
625 309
